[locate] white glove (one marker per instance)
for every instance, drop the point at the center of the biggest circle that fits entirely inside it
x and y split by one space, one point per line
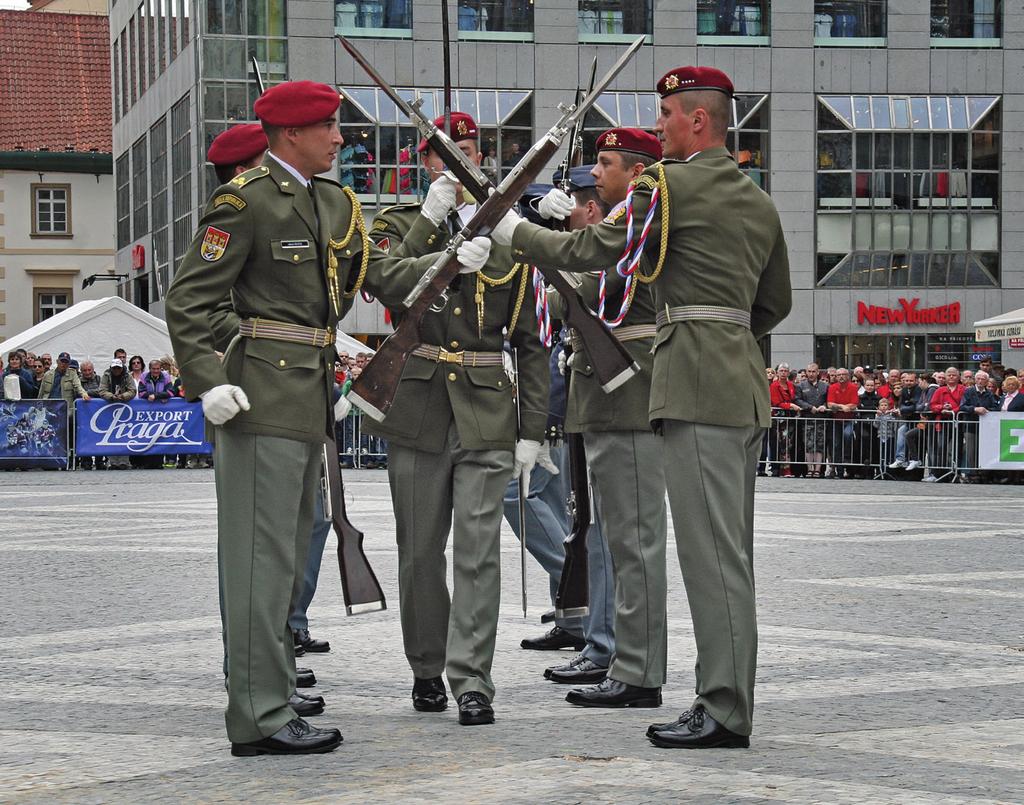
526 454
440 200
341 408
562 363
544 459
473 254
506 227
556 204
222 402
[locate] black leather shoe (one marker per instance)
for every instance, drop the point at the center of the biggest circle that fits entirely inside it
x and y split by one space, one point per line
686 716
555 639
299 650
579 670
304 678
294 738
428 695
474 708
699 731
304 707
307 643
612 693
308 698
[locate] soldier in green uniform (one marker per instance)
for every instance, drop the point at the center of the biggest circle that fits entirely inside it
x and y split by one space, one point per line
291 250
721 280
624 456
452 444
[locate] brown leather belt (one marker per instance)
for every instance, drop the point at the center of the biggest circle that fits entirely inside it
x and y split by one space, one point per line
634 332
283 331
732 315
464 358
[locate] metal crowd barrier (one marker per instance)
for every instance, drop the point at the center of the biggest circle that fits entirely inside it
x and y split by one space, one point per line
861 445
356 449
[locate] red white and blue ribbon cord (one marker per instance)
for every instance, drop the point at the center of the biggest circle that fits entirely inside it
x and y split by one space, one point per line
540 303
627 265
367 297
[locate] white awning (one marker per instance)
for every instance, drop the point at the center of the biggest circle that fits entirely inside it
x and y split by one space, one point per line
1006 325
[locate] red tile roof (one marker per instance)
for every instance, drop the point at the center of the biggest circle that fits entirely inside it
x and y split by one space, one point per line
54 82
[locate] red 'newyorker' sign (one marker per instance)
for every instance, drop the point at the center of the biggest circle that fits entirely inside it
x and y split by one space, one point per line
908 313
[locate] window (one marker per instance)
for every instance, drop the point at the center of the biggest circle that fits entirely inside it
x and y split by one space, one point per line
115 60
140 188
747 139
133 61
966 23
51 210
181 171
731 23
931 352
140 61
496 19
378 18
124 201
159 211
378 159
237 31
849 22
608 20
49 302
908 191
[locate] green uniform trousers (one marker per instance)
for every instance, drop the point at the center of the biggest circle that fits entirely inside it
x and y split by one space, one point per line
711 492
462 491
265 499
628 473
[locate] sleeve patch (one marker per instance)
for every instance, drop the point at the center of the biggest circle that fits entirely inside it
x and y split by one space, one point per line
615 216
215 243
384 244
379 225
229 198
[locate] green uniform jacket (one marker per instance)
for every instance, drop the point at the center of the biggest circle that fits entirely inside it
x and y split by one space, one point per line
725 248
258 245
589 407
480 399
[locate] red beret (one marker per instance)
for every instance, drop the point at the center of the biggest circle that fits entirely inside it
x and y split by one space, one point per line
297 103
237 145
463 128
636 141
689 78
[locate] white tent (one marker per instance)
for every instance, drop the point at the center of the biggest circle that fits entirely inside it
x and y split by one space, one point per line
1003 326
92 330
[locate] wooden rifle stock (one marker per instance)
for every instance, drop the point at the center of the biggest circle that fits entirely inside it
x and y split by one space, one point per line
374 390
359 583
573 596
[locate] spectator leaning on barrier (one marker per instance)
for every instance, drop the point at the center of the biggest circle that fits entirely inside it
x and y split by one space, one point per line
885 424
15 367
812 399
136 368
783 400
911 396
976 401
63 382
38 371
156 385
842 401
90 380
944 404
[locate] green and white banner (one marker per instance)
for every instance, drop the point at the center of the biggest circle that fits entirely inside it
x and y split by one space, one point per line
1001 441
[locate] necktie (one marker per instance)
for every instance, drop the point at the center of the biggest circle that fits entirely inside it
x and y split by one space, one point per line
316 212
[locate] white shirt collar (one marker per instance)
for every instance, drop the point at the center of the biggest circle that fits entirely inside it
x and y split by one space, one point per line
292 170
691 156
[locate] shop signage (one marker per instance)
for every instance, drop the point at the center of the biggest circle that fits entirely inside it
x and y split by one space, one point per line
1016 343
908 313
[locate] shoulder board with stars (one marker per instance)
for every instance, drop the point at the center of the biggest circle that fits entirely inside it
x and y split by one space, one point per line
250 175
611 218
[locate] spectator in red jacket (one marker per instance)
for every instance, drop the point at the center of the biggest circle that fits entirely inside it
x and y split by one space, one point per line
944 404
784 407
842 400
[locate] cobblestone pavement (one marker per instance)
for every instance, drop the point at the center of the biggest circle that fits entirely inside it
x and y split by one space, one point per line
891 663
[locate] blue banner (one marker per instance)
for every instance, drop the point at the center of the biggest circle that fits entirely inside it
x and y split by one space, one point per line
34 433
139 428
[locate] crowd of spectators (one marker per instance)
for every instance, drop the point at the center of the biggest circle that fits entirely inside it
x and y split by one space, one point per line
129 378
885 424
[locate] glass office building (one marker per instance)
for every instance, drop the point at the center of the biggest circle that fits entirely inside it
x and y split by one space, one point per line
885 135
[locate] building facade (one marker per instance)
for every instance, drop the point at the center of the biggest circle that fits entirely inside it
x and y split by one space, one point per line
56 176
883 129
